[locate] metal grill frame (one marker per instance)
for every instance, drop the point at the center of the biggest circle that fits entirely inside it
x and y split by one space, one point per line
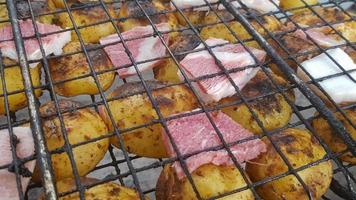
43 154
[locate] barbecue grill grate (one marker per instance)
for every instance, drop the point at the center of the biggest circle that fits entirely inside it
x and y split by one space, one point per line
131 167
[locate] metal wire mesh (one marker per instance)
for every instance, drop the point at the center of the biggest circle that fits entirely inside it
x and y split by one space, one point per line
131 167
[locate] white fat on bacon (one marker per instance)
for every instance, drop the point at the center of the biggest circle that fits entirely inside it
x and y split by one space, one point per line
263 6
24 149
320 38
142 46
231 56
340 88
52 43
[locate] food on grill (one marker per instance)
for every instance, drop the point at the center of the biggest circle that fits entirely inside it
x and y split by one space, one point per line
210 180
88 16
80 128
271 109
52 43
136 17
14 84
196 133
301 149
220 30
109 190
135 109
231 56
142 45
309 18
332 139
293 4
25 148
74 66
341 89
167 71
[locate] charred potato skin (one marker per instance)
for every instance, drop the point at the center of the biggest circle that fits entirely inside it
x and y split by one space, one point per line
136 110
210 180
14 83
76 65
300 148
80 128
87 17
336 144
330 15
272 110
109 191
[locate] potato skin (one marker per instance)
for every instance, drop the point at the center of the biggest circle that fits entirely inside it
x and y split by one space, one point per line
300 148
76 65
290 4
80 128
210 180
107 191
14 83
335 143
89 16
194 17
272 110
137 110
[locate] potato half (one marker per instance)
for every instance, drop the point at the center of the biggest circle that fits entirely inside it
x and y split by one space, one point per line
210 181
107 191
76 65
272 110
80 128
330 15
134 110
14 84
336 144
136 17
290 4
87 17
300 148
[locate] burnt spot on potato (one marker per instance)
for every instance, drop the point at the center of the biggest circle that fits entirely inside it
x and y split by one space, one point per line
132 88
330 15
49 109
186 41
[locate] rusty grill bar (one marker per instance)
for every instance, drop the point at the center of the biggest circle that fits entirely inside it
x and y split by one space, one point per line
345 190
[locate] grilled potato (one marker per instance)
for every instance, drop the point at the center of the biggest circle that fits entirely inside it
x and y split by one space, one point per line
300 148
60 4
23 11
336 144
109 191
167 71
134 110
272 110
81 125
14 84
87 17
330 15
219 30
290 4
76 65
137 17
194 17
210 181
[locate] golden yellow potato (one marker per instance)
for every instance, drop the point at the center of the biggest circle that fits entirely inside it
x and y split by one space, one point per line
136 110
80 128
194 17
330 15
87 17
76 65
219 30
335 143
272 110
136 17
107 191
14 84
300 148
167 70
210 181
290 4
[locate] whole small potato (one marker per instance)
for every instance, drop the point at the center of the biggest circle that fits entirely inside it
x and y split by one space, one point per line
76 65
107 191
210 181
336 144
134 110
81 125
14 84
272 110
87 17
300 148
